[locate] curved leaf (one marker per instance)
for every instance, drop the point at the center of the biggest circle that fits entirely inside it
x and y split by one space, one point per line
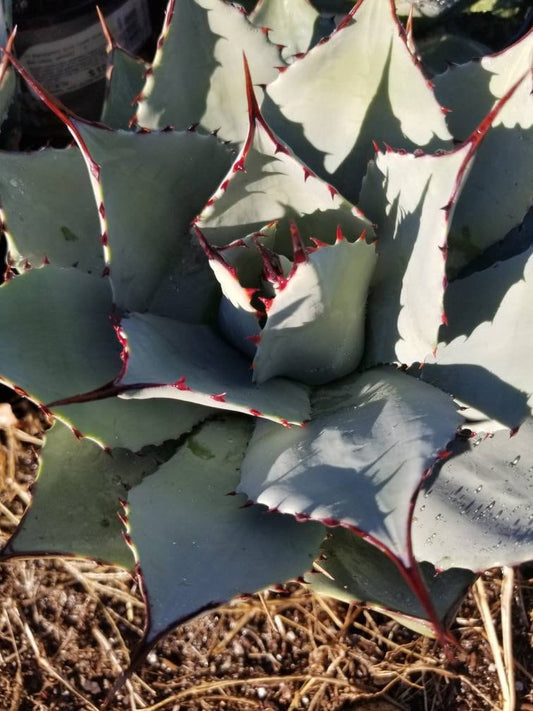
470 90
315 326
187 566
60 340
193 75
356 570
133 424
147 236
293 24
49 210
361 458
76 499
169 359
488 368
126 77
267 183
482 495
497 194
411 199
351 90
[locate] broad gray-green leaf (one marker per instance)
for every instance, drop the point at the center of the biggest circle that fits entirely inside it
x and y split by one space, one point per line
470 90
267 183
497 194
124 85
356 570
351 90
489 368
291 23
48 209
196 546
150 188
76 500
133 424
196 70
360 459
484 495
315 326
186 362
410 198
58 338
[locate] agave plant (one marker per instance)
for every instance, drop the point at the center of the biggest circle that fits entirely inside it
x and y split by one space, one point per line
265 381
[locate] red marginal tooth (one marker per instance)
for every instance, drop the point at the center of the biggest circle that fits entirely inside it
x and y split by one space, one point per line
239 166
106 271
444 282
253 339
256 413
388 149
444 454
444 319
445 110
221 397
105 239
280 148
430 84
299 255
308 174
266 30
339 236
27 265
286 423
224 185
46 261
281 69
514 431
332 522
231 493
20 391
101 209
181 385
76 433
247 504
376 147
332 191
301 517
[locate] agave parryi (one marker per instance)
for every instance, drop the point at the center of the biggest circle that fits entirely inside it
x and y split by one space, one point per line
223 292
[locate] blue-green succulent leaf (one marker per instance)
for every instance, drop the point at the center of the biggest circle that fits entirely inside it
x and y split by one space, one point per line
61 227
75 501
486 367
361 458
126 77
195 545
352 569
294 24
146 237
411 198
351 90
170 359
483 495
194 77
315 324
60 340
266 183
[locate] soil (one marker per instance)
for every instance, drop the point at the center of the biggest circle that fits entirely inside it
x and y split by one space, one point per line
68 629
